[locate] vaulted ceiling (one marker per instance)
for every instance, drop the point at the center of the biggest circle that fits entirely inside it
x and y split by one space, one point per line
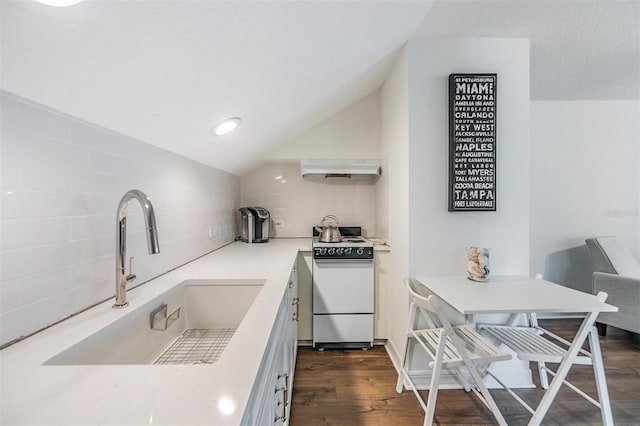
164 72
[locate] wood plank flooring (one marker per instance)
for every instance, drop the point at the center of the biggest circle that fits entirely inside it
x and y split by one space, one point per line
354 387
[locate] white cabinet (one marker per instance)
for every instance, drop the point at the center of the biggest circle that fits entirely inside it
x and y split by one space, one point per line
382 288
305 291
291 333
270 400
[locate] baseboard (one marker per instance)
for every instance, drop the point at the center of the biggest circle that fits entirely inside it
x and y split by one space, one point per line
394 354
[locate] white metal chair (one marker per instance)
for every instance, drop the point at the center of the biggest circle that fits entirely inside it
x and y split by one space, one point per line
457 348
534 343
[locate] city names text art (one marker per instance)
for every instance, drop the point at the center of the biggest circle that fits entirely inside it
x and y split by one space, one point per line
472 142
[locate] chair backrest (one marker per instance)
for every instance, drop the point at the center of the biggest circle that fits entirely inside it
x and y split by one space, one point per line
611 257
428 302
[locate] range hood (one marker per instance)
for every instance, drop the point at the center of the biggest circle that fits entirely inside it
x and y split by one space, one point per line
340 168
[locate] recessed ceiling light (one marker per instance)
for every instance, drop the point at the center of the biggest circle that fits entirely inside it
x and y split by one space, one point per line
59 3
225 126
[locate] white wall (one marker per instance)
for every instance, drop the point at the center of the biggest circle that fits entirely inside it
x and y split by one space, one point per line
425 238
61 181
585 182
439 238
299 204
381 211
393 215
353 133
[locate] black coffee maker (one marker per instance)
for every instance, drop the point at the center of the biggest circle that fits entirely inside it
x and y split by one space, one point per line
255 224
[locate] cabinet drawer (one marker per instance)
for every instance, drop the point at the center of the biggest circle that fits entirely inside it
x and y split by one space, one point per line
342 328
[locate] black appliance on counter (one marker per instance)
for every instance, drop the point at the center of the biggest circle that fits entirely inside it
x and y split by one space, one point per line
255 224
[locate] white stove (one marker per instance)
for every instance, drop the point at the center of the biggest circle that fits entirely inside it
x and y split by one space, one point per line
343 297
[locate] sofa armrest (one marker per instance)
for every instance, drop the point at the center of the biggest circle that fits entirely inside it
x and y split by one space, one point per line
624 292
614 282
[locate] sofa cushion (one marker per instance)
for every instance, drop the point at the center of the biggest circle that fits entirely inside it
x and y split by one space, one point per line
621 259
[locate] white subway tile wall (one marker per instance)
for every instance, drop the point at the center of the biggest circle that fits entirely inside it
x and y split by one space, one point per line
61 180
297 204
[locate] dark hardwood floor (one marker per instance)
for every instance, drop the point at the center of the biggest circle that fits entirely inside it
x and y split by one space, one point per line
354 387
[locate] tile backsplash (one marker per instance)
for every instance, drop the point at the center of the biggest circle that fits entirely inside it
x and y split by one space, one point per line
298 204
61 180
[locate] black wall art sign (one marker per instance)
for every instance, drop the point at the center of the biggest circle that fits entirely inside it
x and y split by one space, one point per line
472 142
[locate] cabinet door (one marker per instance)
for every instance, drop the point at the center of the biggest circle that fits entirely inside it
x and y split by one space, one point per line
267 410
295 317
291 334
271 393
305 294
282 388
270 400
260 409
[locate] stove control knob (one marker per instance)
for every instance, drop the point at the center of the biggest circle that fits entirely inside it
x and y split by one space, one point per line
348 250
360 251
332 251
339 251
323 251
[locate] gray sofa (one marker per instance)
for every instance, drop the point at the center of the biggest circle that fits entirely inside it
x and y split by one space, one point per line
617 273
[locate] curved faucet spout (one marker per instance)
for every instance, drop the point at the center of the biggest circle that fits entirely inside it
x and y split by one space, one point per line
121 240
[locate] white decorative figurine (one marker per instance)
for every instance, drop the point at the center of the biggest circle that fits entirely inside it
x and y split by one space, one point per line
478 263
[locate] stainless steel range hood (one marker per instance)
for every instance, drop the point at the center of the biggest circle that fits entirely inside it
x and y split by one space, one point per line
369 169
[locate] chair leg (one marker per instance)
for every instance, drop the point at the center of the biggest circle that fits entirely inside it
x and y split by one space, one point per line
544 378
404 362
601 381
564 367
486 395
479 382
403 366
435 381
602 328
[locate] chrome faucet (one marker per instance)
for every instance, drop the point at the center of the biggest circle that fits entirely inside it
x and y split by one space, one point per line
121 241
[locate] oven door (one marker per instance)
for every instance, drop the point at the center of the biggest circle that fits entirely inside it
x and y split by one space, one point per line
342 286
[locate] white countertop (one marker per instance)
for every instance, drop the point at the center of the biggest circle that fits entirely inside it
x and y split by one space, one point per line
33 393
381 248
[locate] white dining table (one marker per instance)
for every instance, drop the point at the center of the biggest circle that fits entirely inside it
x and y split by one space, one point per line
523 295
